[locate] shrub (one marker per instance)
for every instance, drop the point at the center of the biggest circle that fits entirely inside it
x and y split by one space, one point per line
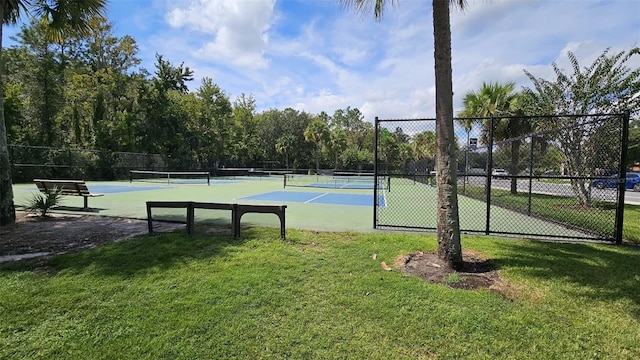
40 203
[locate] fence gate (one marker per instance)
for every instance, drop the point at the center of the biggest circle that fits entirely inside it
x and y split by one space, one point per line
534 176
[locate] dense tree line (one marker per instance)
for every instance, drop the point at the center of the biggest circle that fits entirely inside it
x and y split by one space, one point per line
88 92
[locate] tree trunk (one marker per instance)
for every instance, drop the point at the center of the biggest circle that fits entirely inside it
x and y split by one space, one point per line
574 159
317 159
7 208
449 248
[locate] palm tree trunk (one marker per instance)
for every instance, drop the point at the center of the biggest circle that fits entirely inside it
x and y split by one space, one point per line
7 208
317 159
448 223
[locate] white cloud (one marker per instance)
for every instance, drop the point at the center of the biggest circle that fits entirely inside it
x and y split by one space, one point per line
238 30
495 41
314 56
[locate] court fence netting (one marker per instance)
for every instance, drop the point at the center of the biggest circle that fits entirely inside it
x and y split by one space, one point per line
32 162
533 176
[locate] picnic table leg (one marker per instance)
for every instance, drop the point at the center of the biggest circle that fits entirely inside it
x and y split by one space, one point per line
86 202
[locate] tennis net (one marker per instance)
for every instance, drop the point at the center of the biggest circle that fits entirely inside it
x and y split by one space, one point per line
343 181
244 173
171 177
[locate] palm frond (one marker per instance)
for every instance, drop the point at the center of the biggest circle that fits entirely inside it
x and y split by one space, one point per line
13 9
364 7
41 203
68 16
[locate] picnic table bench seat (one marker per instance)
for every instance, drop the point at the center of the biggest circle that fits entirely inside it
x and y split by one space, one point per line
66 187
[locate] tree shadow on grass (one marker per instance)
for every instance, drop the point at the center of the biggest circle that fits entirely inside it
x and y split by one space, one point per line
151 253
599 272
144 254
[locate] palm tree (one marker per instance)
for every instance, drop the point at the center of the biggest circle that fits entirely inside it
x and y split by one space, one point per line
493 99
317 132
424 145
449 248
62 16
496 100
284 145
338 141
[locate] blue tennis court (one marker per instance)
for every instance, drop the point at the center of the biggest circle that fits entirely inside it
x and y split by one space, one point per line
319 198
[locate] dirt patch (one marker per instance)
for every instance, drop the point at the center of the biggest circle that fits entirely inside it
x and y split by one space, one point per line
476 272
33 236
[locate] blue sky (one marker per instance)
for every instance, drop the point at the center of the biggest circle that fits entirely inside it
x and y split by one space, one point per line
316 56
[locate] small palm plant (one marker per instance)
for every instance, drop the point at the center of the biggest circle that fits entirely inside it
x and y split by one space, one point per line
40 203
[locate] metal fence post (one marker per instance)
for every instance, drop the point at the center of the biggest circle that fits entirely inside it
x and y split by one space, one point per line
622 172
375 173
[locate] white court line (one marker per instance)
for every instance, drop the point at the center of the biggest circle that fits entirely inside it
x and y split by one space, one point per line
384 196
315 198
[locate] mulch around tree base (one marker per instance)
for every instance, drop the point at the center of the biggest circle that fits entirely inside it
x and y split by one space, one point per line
476 272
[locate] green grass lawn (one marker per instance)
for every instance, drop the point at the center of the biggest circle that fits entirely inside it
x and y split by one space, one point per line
600 217
317 296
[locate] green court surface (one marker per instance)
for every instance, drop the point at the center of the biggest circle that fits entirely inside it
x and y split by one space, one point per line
423 199
124 199
323 209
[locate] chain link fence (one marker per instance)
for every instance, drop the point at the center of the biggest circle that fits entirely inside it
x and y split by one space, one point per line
543 176
32 162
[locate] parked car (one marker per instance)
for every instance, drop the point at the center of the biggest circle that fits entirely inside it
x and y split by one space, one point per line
476 171
632 181
499 173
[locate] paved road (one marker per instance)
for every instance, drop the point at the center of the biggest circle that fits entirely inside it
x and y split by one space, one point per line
541 187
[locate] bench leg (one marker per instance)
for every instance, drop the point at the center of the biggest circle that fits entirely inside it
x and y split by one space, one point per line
149 219
86 202
235 220
190 219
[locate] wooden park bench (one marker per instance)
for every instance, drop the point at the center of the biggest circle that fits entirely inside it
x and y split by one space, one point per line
66 187
237 210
